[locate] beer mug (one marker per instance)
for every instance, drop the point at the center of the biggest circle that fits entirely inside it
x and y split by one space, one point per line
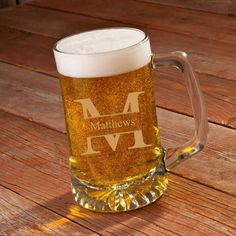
116 157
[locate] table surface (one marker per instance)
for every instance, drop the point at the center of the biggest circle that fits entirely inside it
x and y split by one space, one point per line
35 194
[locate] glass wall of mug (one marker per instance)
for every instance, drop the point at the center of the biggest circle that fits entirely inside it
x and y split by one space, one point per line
107 88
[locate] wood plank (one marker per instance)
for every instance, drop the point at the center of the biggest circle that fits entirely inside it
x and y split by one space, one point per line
32 95
52 23
152 16
28 50
186 208
218 159
219 95
20 216
215 165
227 7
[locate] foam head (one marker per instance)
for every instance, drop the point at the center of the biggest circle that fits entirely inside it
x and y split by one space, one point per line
103 52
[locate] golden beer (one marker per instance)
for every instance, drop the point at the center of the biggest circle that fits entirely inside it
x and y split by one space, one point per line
112 160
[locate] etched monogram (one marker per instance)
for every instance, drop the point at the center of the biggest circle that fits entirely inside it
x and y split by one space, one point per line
131 106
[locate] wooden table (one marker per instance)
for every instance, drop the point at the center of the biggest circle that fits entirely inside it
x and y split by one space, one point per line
35 193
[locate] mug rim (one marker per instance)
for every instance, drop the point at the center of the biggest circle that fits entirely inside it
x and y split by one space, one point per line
55 46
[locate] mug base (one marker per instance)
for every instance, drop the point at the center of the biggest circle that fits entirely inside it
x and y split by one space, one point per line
121 198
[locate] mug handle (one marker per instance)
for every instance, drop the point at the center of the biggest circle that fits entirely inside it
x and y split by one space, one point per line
174 156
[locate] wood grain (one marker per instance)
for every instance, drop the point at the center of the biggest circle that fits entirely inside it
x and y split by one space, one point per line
52 23
227 7
152 16
215 165
219 96
28 50
32 95
20 216
186 208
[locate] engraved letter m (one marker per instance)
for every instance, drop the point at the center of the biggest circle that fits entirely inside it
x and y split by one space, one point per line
131 106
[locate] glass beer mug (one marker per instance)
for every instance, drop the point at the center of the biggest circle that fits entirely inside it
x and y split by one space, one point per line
116 157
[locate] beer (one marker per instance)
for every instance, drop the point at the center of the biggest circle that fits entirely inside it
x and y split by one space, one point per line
107 89
101 143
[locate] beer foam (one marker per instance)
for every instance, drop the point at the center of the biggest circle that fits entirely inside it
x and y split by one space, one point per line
103 52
